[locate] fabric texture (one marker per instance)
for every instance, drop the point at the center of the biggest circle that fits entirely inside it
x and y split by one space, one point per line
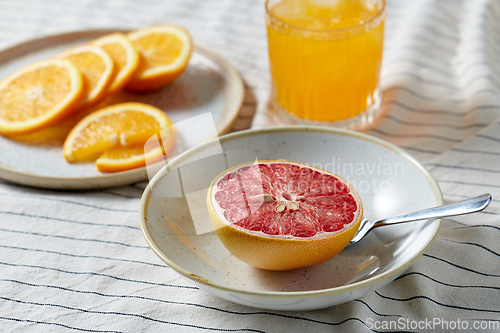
77 261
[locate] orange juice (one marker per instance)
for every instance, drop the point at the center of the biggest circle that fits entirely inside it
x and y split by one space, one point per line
325 57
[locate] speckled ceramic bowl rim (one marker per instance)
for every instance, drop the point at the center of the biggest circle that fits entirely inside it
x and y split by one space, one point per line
303 294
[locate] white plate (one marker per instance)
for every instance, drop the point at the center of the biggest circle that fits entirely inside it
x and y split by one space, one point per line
209 85
389 181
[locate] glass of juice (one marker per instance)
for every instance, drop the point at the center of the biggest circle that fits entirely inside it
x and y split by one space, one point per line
325 58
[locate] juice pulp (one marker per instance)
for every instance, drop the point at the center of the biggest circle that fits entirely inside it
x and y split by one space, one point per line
325 56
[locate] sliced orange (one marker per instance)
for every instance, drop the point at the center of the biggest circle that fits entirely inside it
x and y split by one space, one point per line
38 95
139 154
97 69
119 125
126 158
52 135
164 51
124 55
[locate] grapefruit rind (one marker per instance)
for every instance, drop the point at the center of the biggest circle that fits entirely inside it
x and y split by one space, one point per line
277 252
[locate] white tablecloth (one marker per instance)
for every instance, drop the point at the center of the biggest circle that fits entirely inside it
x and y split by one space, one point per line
78 261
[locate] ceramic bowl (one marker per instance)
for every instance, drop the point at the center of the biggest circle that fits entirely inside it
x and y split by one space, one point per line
174 217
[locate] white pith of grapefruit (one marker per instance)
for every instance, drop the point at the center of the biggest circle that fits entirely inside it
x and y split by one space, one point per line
280 215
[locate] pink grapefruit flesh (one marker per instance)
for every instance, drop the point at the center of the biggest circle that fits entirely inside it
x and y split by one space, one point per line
283 215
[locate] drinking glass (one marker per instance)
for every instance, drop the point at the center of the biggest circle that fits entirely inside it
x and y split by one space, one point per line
325 58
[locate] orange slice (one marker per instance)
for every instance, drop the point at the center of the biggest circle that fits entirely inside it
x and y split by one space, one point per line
97 69
165 51
124 55
125 125
135 156
52 135
38 95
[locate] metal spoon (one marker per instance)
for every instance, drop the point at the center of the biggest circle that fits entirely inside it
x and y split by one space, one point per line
467 206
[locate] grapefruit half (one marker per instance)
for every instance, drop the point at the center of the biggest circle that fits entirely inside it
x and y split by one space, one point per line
280 215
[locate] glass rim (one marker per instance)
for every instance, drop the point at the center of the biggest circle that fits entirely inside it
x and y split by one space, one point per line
354 27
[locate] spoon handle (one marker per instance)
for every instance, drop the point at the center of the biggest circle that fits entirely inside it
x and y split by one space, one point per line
467 206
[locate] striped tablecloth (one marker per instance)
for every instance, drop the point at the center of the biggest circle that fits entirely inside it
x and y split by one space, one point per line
77 261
